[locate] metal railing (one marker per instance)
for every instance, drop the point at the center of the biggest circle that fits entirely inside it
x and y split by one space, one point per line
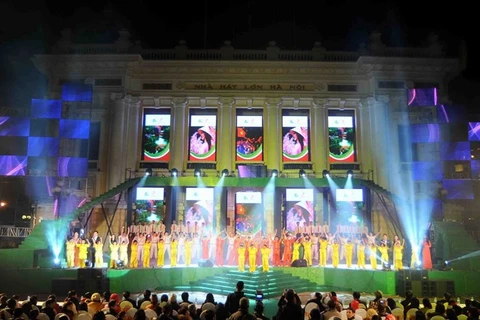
14 232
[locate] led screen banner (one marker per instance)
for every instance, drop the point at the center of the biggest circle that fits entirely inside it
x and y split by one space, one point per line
299 206
149 205
248 212
349 204
341 136
200 207
295 133
156 135
249 138
203 137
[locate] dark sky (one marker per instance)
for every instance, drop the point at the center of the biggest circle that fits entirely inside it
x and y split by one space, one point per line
28 27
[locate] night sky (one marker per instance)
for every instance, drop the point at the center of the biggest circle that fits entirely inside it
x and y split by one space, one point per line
29 27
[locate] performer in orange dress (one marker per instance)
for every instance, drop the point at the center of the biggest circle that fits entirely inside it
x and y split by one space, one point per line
219 251
287 249
205 246
276 251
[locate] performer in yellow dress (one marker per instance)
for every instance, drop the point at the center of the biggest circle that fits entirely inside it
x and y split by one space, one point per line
323 251
82 253
161 253
188 250
134 254
146 253
398 250
383 249
173 252
113 252
265 255
335 253
98 253
361 254
70 253
373 255
241 257
123 252
252 257
296 249
349 253
307 249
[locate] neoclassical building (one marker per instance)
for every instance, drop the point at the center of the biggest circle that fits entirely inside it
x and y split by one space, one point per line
247 114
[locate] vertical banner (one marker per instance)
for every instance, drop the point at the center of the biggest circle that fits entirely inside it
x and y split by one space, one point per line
248 213
149 205
299 208
341 136
156 135
249 137
200 204
296 138
203 137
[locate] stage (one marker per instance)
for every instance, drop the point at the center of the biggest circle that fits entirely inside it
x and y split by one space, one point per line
221 280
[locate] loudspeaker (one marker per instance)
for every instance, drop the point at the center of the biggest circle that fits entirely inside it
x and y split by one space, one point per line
299 263
60 287
205 263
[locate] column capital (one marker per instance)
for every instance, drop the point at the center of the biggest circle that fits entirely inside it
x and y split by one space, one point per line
179 102
320 103
273 102
133 101
116 96
226 101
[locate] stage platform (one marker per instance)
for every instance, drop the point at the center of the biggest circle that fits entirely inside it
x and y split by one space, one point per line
222 280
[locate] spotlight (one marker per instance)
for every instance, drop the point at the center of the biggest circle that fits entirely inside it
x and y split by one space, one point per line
350 174
174 172
120 264
325 173
274 172
225 173
386 266
56 263
197 173
149 172
259 295
302 173
88 264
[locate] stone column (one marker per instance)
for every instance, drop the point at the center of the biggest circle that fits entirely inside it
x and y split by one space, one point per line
133 131
178 134
364 136
319 131
117 146
273 126
225 134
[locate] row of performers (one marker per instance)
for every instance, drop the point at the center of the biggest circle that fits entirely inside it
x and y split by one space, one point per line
201 228
230 249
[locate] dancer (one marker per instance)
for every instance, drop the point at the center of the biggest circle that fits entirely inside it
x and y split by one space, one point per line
348 253
146 253
371 237
134 254
241 257
70 252
383 249
296 249
398 253
181 247
98 246
323 251
252 256
426 254
82 253
265 256
307 249
161 252
230 248
373 255
123 251
335 253
154 245
173 251
188 250
113 252
167 238
361 254
219 261
205 246
276 251
315 246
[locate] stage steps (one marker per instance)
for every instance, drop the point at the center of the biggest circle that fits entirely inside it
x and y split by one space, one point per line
272 283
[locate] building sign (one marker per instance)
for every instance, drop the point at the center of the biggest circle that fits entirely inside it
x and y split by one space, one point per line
248 86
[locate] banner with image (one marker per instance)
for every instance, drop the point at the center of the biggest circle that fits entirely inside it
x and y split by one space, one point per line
299 207
149 205
341 136
156 136
200 204
296 138
203 138
249 138
248 212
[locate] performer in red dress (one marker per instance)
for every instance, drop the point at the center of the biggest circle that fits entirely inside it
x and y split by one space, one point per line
205 246
219 252
426 255
287 249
